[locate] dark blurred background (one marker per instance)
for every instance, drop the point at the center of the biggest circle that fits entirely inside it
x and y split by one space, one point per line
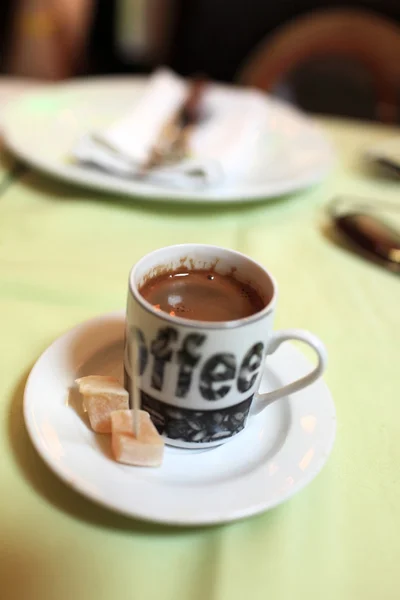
217 37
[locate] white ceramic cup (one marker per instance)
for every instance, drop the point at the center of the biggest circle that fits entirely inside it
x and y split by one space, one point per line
197 379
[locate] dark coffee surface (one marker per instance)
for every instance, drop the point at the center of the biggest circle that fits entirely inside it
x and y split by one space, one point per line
202 295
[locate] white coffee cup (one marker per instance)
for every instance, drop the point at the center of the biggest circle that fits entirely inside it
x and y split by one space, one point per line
197 379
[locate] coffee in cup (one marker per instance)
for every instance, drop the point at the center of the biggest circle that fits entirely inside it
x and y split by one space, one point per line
202 295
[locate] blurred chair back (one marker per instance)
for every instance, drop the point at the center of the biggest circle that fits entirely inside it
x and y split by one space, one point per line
361 36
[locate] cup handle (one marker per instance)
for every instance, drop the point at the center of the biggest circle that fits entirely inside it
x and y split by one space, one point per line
261 401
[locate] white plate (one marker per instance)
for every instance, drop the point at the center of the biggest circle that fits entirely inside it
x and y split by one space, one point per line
11 88
281 451
42 128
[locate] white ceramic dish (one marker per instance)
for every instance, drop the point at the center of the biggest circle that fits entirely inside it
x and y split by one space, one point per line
11 88
278 454
42 128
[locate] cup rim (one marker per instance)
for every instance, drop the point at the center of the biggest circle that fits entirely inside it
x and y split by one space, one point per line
191 323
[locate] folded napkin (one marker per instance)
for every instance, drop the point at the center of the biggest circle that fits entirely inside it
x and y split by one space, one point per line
220 147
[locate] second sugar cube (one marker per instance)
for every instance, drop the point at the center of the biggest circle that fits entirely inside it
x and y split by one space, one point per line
146 450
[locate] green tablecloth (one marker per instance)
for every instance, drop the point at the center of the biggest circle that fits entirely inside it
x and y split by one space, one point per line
64 257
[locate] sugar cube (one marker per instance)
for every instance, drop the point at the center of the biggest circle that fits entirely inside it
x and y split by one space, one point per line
101 396
146 450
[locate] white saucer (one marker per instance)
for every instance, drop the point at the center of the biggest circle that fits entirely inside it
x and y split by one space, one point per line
292 154
281 451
